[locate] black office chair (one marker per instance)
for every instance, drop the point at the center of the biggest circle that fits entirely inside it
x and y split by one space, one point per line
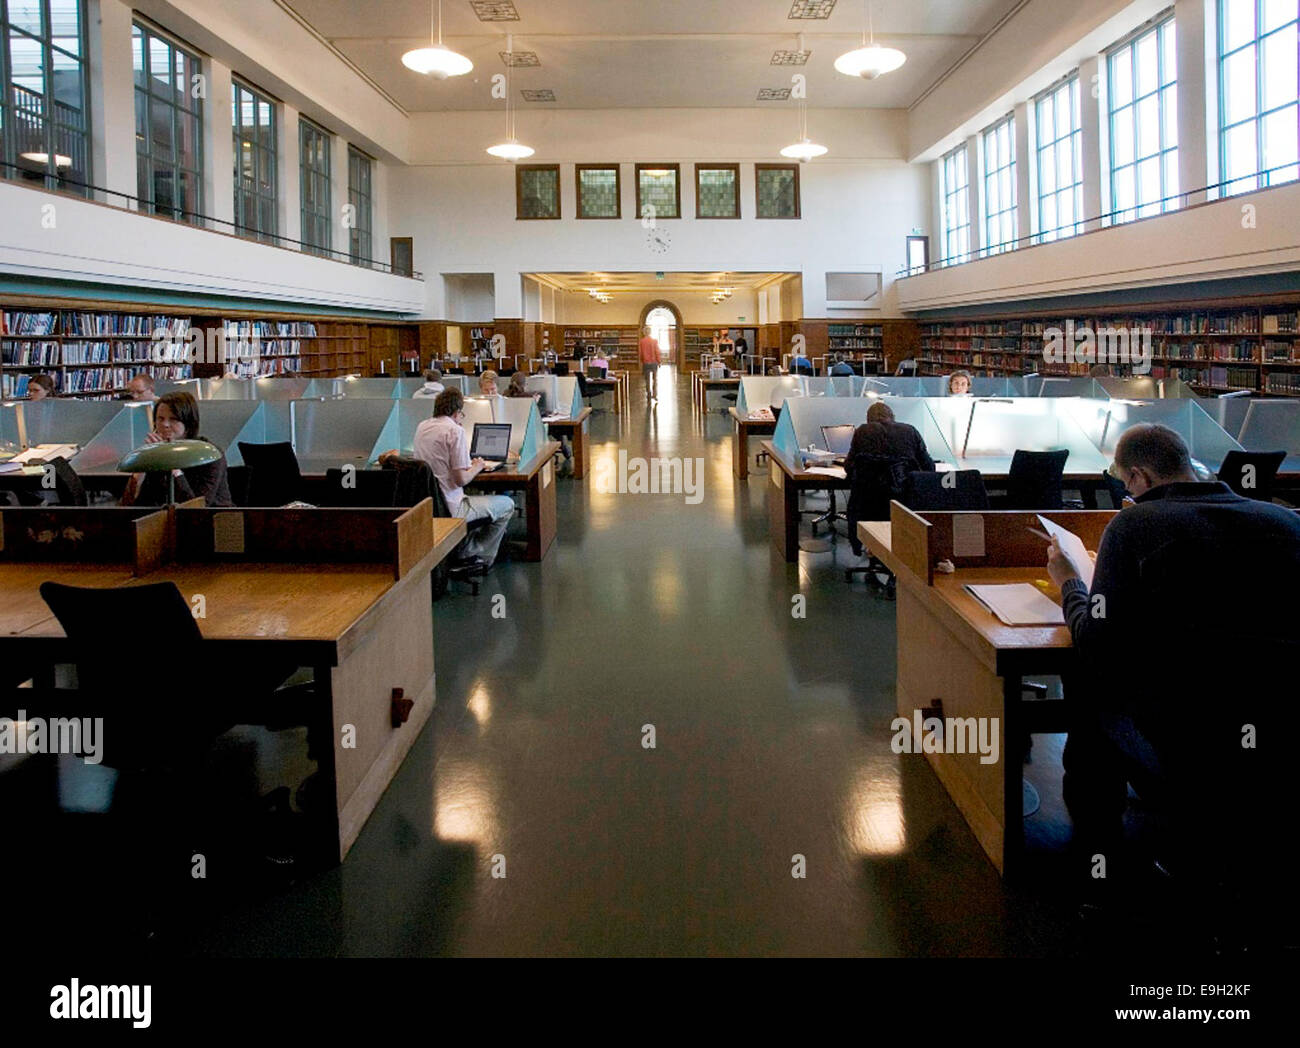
961 489
158 734
588 393
415 483
68 489
1034 481
1262 467
363 488
561 367
274 478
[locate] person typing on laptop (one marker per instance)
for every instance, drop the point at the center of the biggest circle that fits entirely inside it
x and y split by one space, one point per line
440 442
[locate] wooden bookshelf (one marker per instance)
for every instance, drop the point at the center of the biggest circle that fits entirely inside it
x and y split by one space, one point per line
1213 347
92 349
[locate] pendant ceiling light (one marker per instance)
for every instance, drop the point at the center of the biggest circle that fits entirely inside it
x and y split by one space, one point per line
805 149
870 61
435 60
511 149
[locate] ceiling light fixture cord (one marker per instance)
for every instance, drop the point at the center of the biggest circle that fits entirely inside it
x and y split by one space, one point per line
439 16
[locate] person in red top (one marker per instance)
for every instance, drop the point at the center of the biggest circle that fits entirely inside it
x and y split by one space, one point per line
649 363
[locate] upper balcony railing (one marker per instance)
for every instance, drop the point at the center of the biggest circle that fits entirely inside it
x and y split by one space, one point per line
38 176
1242 184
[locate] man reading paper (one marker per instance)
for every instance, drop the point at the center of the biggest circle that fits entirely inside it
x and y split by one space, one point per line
1183 642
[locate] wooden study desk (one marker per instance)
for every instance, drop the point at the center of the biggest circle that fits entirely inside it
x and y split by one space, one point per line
747 427
617 383
363 628
536 479
704 384
954 652
576 429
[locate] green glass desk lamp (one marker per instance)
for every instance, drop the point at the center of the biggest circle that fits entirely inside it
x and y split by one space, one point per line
166 456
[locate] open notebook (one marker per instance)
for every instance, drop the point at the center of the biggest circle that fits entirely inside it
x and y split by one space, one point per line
1018 604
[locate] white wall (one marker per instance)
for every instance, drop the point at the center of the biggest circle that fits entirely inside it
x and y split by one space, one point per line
100 244
1206 242
858 204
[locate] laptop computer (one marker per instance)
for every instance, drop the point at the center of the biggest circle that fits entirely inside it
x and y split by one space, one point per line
838 439
491 442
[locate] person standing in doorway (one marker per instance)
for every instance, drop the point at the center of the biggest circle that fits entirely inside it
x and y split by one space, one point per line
649 362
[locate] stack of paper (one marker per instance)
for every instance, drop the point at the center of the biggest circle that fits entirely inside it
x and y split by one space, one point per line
1018 604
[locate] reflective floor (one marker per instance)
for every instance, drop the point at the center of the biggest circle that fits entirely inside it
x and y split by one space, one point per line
644 743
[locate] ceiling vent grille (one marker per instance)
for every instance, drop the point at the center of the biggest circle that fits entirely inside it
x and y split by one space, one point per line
499 10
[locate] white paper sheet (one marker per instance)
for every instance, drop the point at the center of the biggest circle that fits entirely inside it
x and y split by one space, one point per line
968 535
1073 548
1018 604
829 471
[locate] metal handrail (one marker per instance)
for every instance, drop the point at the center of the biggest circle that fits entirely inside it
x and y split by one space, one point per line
191 218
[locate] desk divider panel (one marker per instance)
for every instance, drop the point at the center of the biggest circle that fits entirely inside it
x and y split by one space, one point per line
228 422
1261 425
910 541
1008 541
802 420
126 430
331 434
134 535
399 431
306 536
1104 422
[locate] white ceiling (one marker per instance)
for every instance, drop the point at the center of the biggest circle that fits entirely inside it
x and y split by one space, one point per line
650 282
602 54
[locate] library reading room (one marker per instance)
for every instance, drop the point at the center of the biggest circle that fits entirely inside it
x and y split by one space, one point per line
692 479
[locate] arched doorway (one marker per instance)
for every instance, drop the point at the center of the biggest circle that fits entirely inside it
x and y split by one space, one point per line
665 324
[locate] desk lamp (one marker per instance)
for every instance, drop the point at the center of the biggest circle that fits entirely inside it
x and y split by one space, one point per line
167 456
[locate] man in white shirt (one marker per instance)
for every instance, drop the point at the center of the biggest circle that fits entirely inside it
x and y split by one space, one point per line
432 385
440 442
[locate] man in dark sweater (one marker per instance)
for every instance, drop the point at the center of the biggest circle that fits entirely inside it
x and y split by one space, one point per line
1184 641
883 452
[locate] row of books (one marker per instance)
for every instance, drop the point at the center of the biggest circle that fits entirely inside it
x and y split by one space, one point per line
1280 351
1244 323
1281 323
855 330
1285 382
27 323
236 329
30 354
1238 351
123 324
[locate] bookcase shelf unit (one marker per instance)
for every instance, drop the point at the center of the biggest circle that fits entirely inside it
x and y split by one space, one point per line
92 349
1214 347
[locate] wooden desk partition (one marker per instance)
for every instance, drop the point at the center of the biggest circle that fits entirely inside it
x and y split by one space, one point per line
922 539
134 536
331 536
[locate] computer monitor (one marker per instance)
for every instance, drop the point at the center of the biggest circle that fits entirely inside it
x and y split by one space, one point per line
838 439
491 441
